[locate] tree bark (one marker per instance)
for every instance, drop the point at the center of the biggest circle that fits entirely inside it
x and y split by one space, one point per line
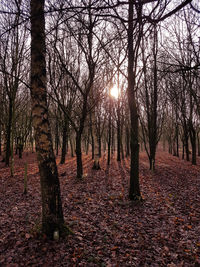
79 170
183 152
193 143
56 138
92 138
0 141
71 146
187 151
177 140
64 141
52 214
118 135
127 142
109 129
198 144
8 133
134 190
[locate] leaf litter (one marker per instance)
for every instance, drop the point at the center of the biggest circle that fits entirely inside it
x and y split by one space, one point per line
109 230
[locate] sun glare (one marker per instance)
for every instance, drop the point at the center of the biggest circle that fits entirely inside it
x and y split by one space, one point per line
114 91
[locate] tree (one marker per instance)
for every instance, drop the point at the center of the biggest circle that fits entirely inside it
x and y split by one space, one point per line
52 214
134 189
151 93
12 47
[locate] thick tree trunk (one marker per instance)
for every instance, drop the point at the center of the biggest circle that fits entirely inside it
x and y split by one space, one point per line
134 190
52 214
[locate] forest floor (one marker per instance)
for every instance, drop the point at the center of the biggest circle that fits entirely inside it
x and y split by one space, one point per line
109 230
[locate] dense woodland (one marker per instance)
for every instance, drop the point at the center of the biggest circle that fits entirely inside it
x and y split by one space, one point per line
97 80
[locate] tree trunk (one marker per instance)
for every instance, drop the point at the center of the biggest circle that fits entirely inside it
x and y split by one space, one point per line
92 138
193 143
198 144
152 156
109 130
71 146
183 145
56 138
122 147
170 145
134 190
118 134
154 130
118 140
95 141
187 151
79 166
127 142
0 141
88 141
177 141
96 165
121 141
52 214
64 141
99 139
8 133
112 140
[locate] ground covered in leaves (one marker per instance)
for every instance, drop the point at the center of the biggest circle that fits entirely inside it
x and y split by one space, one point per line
108 229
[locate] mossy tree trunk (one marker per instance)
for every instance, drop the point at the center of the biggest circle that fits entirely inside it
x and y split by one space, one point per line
52 214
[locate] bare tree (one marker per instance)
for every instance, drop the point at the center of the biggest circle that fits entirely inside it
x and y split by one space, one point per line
52 214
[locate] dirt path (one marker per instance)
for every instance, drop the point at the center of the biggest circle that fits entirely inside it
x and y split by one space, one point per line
109 230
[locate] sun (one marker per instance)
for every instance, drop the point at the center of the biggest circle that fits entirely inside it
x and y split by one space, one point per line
114 91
